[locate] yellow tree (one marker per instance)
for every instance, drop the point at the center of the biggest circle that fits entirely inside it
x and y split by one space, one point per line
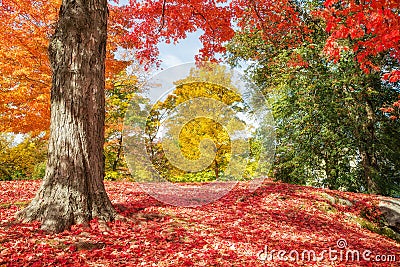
204 128
204 91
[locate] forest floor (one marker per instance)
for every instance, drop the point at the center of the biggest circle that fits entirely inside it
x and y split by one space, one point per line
276 225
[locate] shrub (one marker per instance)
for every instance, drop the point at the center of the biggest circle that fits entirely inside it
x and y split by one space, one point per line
18 159
39 171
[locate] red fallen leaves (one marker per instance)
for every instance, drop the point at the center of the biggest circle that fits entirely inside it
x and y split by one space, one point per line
229 232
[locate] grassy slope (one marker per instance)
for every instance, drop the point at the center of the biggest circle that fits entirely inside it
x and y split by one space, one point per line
229 232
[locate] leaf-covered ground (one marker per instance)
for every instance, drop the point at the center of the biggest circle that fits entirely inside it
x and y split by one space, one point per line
240 229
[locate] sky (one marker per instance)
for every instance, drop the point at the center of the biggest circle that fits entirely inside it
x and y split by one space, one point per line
175 54
185 52
182 52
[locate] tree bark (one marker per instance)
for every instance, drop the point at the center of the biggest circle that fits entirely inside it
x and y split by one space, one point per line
216 170
367 150
73 191
119 152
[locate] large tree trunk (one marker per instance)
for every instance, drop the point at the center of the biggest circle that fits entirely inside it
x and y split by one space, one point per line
73 191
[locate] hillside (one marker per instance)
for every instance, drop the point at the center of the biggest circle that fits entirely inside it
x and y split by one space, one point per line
238 230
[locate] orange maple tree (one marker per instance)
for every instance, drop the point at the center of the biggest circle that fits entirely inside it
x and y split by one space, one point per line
25 74
25 77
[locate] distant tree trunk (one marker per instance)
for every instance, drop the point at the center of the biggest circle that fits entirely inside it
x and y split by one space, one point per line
331 170
364 133
216 170
73 191
119 153
367 149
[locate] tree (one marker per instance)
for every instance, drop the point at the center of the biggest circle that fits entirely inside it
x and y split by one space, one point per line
25 77
121 94
209 81
372 26
25 70
310 138
73 191
329 128
368 29
370 32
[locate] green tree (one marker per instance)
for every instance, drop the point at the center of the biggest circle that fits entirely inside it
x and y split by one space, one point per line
330 130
